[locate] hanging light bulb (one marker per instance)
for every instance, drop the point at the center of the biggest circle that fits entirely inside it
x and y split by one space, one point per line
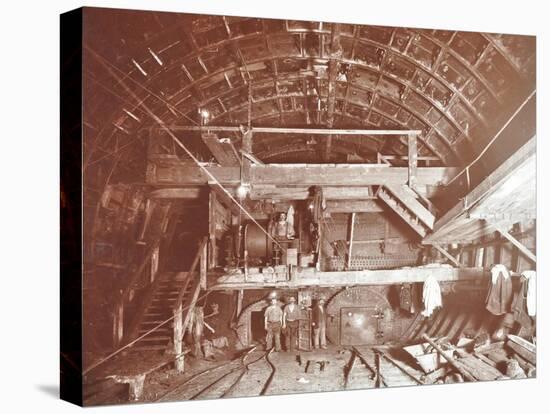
205 116
242 190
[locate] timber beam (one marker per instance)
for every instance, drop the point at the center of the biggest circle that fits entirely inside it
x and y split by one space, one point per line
450 257
178 173
223 150
308 278
335 55
528 253
307 131
448 226
262 192
353 206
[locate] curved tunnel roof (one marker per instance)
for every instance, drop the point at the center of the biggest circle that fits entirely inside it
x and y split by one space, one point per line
458 88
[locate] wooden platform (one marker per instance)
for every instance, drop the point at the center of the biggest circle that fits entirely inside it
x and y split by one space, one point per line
309 277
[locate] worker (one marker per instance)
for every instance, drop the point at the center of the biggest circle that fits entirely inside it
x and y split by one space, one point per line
283 228
319 323
196 329
273 320
291 316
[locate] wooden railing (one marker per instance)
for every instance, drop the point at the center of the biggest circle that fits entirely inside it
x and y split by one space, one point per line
187 307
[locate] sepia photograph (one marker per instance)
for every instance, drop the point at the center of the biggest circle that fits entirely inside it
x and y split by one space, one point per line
257 206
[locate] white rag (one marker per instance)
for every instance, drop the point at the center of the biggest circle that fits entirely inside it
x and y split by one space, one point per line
498 269
531 276
431 295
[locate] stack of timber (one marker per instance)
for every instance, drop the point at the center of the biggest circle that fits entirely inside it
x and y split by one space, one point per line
513 358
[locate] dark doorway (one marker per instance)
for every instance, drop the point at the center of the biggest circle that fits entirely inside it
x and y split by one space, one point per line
192 225
257 331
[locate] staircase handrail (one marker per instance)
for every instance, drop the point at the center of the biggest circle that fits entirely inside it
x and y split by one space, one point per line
196 260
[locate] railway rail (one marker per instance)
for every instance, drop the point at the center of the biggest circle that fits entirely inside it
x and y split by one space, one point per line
244 376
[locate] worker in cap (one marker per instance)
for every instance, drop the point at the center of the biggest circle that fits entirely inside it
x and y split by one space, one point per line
273 320
319 323
291 317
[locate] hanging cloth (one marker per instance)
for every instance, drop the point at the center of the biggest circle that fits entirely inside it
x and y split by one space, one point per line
519 305
431 295
497 270
500 295
290 223
531 276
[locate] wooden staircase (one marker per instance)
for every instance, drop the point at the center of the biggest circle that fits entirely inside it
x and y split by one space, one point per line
161 308
417 211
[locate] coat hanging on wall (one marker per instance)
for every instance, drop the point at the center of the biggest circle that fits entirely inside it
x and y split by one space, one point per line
431 295
500 295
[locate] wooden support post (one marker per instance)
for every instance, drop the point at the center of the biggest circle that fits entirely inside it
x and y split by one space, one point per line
149 207
118 323
154 263
413 159
350 249
480 253
240 296
203 264
211 246
335 56
246 147
178 338
528 253
447 255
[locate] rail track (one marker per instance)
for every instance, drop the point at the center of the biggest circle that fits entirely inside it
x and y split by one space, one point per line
250 374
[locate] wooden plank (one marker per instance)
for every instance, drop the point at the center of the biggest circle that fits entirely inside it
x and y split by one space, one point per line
335 56
386 158
479 369
412 327
449 359
447 255
203 266
353 206
450 220
191 193
352 227
262 192
240 296
176 172
403 212
409 371
252 158
307 131
307 278
246 146
523 348
403 193
412 161
178 337
528 253
348 175
222 151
